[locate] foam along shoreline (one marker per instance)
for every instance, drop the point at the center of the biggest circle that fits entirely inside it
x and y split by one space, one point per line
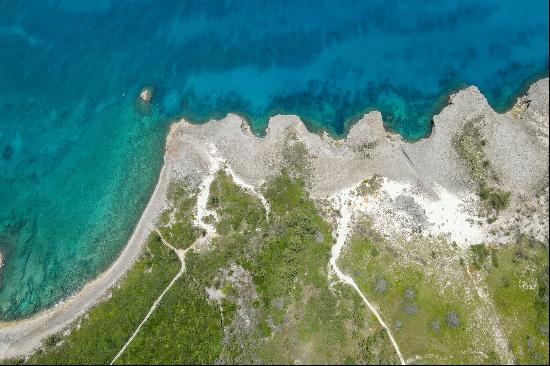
516 145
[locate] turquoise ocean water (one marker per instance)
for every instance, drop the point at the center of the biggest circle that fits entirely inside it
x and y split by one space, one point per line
79 157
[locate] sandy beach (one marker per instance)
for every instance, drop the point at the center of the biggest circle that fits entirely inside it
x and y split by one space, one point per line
426 182
21 337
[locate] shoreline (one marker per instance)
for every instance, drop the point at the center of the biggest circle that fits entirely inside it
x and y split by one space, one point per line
29 332
441 102
20 337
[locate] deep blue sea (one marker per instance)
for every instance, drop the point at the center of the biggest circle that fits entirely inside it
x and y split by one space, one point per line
79 157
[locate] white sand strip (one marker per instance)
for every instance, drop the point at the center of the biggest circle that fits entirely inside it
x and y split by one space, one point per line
204 193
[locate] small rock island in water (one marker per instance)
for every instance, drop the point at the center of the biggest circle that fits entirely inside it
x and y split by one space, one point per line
146 95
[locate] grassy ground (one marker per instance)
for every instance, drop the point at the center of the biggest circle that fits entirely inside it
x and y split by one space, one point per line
98 337
423 293
261 293
238 211
176 223
278 305
273 301
517 278
184 329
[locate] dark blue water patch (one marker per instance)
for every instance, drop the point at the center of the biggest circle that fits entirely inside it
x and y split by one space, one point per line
79 158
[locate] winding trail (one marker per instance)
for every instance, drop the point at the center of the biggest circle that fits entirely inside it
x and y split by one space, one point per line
202 212
181 255
348 205
204 192
216 164
22 337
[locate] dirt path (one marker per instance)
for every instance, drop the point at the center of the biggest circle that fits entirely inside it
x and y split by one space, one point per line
19 338
501 342
348 205
181 255
216 164
202 212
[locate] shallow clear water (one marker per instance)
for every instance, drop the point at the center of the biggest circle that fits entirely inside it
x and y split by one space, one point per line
79 157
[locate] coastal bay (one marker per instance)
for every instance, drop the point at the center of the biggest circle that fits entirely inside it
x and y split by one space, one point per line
416 202
80 157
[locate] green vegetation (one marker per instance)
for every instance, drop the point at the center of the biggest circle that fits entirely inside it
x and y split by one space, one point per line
98 336
371 185
422 293
296 157
365 148
274 278
238 211
259 293
176 223
470 144
480 252
184 329
518 286
495 199
517 279
291 249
